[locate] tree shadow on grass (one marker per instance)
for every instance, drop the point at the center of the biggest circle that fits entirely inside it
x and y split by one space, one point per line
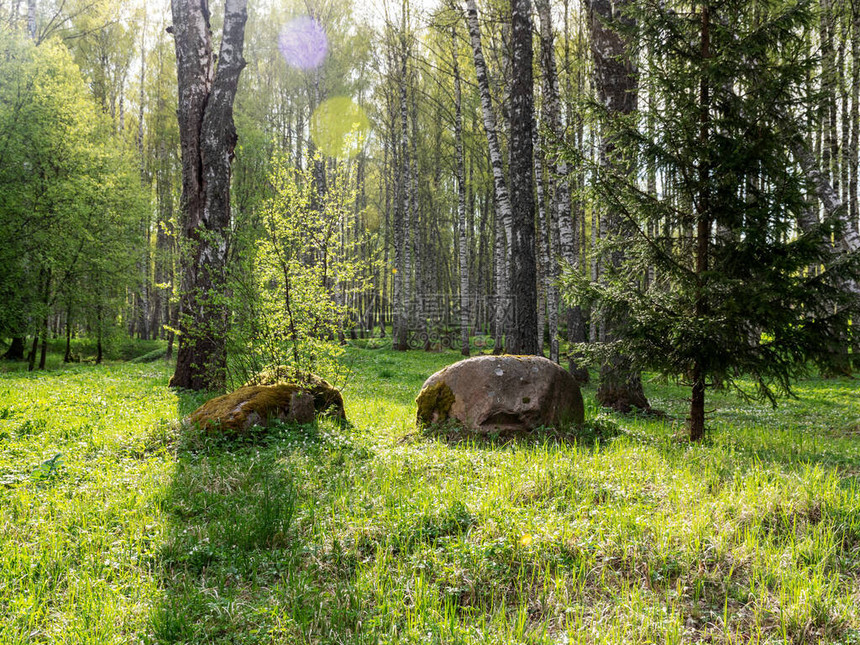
588 435
241 560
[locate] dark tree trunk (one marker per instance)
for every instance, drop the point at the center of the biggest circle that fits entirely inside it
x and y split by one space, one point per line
99 336
620 386
524 270
67 358
31 358
16 350
43 354
208 138
703 235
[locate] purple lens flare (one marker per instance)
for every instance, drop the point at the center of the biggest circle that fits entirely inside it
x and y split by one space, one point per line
303 43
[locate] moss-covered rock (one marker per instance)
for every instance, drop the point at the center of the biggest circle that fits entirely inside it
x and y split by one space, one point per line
327 398
268 398
239 411
434 403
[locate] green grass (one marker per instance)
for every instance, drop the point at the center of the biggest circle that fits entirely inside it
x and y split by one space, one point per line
373 533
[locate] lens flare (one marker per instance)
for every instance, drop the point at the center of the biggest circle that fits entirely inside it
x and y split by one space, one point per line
339 127
303 43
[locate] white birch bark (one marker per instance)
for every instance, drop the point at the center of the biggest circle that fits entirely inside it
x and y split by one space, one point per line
461 202
500 188
549 302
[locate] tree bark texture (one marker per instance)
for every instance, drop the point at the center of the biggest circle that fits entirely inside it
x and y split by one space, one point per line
524 267
500 186
564 227
401 230
208 138
460 166
703 234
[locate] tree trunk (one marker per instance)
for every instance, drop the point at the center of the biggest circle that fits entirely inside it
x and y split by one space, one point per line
524 267
564 228
67 357
420 251
31 357
401 230
854 144
208 138
43 354
16 350
500 188
461 202
548 295
849 241
99 336
703 235
620 386
31 19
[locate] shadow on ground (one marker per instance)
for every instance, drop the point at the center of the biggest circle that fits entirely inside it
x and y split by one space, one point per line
242 560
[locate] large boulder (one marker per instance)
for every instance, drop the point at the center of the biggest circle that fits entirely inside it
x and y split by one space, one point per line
501 393
269 400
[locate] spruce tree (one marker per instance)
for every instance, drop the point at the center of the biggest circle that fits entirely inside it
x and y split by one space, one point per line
740 294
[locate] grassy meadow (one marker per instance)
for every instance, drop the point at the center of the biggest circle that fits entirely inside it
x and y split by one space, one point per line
120 526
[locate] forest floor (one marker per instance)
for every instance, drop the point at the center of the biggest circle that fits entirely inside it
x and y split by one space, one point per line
118 526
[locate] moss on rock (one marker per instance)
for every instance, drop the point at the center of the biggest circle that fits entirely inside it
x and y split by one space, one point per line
327 398
236 412
434 403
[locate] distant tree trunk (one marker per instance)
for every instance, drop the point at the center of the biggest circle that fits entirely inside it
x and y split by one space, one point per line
99 335
501 197
31 357
208 138
386 242
144 325
67 357
43 355
420 251
524 268
31 19
564 228
461 202
828 107
16 350
46 302
401 231
849 241
620 386
547 290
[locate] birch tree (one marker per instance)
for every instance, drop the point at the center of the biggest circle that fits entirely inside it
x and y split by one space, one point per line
500 187
460 170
